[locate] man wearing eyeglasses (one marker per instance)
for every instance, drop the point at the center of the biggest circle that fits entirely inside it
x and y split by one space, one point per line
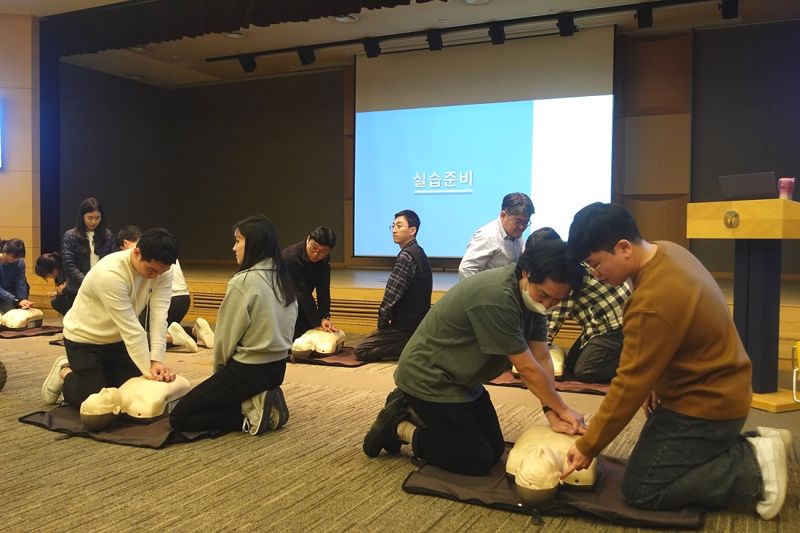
309 266
498 243
407 298
681 344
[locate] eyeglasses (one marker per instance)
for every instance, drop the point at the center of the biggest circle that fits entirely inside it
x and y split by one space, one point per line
398 226
592 270
518 222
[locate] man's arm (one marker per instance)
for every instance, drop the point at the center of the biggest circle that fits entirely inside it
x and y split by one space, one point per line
324 291
479 250
400 279
159 303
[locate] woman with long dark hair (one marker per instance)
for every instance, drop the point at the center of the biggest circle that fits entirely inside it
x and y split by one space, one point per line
85 244
253 337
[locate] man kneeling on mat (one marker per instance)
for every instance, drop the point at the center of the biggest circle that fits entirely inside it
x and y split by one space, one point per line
481 326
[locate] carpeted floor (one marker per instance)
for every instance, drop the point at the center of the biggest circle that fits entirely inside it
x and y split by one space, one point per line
310 476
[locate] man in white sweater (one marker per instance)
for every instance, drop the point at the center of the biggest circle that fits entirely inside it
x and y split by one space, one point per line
105 342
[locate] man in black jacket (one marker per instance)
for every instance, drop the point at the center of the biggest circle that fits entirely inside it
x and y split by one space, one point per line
309 266
407 297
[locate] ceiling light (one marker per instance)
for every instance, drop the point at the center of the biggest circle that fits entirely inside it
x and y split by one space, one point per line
238 34
306 55
248 63
477 2
138 48
346 19
566 24
644 16
497 32
434 38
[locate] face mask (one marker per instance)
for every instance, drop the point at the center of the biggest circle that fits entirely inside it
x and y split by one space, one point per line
532 304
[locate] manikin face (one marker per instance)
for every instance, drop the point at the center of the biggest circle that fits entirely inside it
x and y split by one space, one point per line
316 252
514 225
238 246
147 269
401 233
548 293
611 268
91 220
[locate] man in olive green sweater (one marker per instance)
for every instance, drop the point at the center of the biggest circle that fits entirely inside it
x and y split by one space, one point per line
680 343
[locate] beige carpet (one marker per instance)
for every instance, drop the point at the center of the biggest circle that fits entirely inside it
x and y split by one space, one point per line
310 476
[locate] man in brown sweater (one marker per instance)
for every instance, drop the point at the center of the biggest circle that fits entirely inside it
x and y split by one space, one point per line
680 343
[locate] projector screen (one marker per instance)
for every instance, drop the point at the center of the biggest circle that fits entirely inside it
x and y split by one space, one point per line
449 133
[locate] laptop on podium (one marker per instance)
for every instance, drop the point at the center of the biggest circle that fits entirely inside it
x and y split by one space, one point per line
756 186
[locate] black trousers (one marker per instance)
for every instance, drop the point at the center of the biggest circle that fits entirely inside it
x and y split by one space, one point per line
62 303
387 343
597 362
178 307
460 437
216 403
95 366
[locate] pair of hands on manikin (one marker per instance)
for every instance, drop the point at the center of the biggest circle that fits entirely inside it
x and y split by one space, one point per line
161 372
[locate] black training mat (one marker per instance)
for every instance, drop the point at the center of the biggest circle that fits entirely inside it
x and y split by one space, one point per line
498 491
151 434
31 332
508 379
346 358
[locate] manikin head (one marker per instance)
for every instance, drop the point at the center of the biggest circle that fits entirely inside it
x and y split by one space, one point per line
101 408
538 476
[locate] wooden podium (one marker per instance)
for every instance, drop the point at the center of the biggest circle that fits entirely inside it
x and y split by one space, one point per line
758 227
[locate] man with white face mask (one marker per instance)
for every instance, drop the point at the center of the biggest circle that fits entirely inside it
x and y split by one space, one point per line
473 334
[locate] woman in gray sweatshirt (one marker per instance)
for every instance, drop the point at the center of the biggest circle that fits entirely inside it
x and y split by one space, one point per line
253 337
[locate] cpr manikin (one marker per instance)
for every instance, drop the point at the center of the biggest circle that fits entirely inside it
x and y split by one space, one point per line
557 355
138 397
536 461
316 340
22 318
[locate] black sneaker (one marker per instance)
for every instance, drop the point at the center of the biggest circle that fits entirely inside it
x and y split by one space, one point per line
277 409
383 433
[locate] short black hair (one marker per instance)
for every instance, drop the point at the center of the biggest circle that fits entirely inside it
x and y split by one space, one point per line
542 234
518 204
47 263
550 259
158 244
15 247
128 233
411 217
323 236
600 226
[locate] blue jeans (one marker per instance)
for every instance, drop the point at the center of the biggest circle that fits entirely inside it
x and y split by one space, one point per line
680 461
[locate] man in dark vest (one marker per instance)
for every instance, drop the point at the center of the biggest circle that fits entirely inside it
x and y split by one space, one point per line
407 297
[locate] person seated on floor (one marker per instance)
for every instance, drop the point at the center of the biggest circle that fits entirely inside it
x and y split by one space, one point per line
106 344
597 308
479 328
407 297
536 460
139 398
309 266
127 237
48 266
253 336
14 286
682 345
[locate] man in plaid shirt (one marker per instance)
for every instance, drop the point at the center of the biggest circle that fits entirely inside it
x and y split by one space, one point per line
597 308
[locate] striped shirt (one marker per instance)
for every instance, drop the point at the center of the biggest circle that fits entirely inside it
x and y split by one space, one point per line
490 247
597 309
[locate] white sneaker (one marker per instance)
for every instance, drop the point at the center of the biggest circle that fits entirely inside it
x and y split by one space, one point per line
256 415
771 456
784 434
180 337
204 332
53 384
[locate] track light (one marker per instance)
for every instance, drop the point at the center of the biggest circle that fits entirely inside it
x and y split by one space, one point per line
497 32
730 9
434 38
372 47
306 54
248 63
566 24
644 16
